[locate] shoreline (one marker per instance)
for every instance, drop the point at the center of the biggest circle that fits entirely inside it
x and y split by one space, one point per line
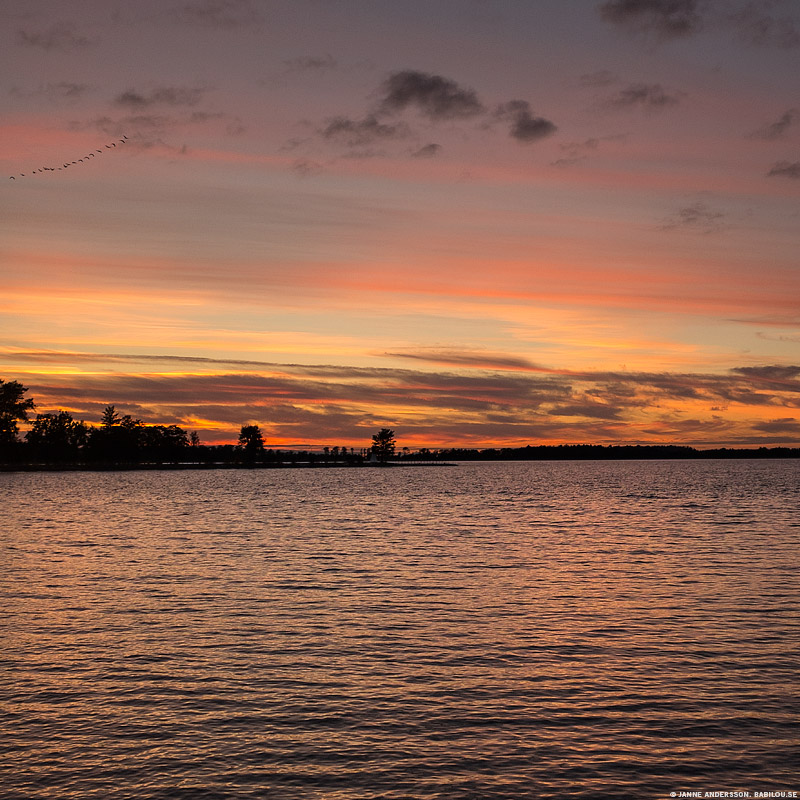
221 465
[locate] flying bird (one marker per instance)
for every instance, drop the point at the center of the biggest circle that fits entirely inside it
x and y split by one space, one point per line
68 164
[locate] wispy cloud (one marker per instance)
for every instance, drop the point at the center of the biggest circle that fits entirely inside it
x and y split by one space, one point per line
427 151
668 18
224 14
64 90
647 96
575 152
486 390
777 129
600 78
757 23
767 23
785 169
325 63
360 132
468 358
698 217
783 425
60 36
160 96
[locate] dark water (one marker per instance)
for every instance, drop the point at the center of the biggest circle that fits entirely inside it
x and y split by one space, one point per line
525 630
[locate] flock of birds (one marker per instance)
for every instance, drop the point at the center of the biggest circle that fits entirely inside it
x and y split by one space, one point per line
68 164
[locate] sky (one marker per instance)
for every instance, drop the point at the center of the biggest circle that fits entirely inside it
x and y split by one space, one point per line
476 223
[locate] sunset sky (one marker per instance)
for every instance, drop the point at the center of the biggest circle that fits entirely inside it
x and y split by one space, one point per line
475 222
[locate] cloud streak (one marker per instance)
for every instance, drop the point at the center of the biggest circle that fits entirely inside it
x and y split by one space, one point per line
219 14
501 398
60 36
646 96
668 18
173 96
785 169
697 217
360 132
777 129
755 22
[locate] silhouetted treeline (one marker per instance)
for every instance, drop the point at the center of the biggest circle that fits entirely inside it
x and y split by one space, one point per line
58 441
589 452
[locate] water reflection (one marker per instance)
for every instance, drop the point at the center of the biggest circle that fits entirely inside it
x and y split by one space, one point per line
502 630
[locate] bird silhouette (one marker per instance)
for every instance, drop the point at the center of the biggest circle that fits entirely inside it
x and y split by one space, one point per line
68 164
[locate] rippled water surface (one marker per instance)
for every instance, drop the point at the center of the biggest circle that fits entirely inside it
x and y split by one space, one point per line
506 630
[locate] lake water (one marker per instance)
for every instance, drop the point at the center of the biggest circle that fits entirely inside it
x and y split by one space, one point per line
502 630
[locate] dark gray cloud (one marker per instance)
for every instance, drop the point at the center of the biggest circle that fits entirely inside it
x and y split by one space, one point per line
697 217
784 425
776 129
310 64
591 410
59 356
59 36
594 80
757 24
648 96
667 18
63 90
785 169
151 129
305 167
469 358
360 132
767 23
433 96
224 14
160 96
773 373
575 152
428 151
525 126
438 99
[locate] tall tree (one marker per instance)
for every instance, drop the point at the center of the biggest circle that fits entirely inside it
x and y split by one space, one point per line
251 441
110 417
13 408
383 444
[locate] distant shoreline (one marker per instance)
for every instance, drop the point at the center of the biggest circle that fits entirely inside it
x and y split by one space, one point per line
440 458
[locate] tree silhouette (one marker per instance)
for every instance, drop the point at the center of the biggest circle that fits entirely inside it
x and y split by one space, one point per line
57 437
110 417
118 440
162 443
251 442
383 444
13 408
